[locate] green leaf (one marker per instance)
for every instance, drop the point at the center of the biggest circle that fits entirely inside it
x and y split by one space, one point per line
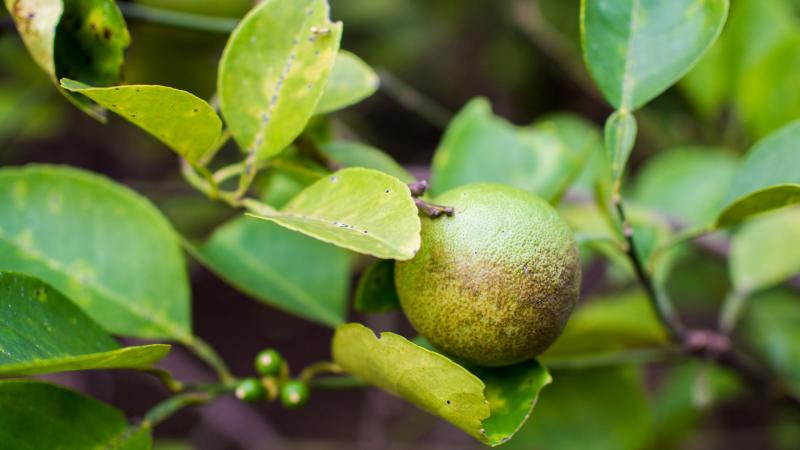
80 39
579 141
49 416
636 49
376 292
274 70
687 183
280 267
481 147
105 247
43 332
351 81
488 404
182 121
767 178
355 154
766 250
608 325
620 135
682 399
594 409
359 209
769 325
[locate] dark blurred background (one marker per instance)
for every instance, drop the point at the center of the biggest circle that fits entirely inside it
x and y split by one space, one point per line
433 56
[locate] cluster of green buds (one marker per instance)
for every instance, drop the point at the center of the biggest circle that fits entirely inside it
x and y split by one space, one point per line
274 382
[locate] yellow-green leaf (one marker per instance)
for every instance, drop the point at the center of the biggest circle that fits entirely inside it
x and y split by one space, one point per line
488 404
359 209
274 70
351 81
182 121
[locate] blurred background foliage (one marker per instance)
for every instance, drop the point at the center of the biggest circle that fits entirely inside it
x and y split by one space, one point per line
524 57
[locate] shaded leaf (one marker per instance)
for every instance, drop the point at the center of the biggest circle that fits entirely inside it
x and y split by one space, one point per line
43 332
678 407
376 292
688 183
769 326
104 246
636 49
351 80
488 404
766 250
49 416
356 154
359 209
594 409
80 39
767 178
580 138
182 121
608 325
280 267
620 135
481 147
274 70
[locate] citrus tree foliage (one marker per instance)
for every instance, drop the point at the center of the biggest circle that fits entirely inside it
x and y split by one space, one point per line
308 205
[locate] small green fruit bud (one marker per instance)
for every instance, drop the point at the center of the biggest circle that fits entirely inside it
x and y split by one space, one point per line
269 362
251 390
294 394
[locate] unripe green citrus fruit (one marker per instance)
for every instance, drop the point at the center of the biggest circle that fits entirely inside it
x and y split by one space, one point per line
269 362
250 390
495 283
294 394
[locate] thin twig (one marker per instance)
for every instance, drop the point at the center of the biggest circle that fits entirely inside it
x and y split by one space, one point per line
658 298
414 100
178 19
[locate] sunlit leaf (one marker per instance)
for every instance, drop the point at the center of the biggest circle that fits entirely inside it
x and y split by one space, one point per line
281 267
636 49
182 121
49 416
488 404
767 178
359 209
274 70
351 81
105 247
355 154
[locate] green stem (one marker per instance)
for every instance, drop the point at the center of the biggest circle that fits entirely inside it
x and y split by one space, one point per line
166 379
210 189
178 19
345 382
307 374
685 235
658 298
170 406
206 353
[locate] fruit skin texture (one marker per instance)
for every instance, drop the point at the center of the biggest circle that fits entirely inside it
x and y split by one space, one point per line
495 283
294 394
